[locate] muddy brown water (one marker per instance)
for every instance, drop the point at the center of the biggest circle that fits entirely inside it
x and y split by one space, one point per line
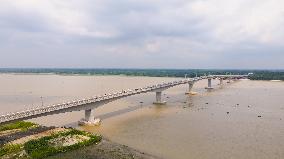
244 119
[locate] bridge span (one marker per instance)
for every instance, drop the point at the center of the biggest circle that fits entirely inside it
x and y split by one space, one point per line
91 103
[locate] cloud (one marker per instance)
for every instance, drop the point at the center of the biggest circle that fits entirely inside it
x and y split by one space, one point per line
241 20
142 33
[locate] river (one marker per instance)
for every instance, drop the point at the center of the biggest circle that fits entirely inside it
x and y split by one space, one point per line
244 119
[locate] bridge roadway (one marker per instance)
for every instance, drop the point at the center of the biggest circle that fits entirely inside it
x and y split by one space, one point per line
89 104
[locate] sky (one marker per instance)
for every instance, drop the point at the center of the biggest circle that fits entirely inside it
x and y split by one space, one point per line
208 34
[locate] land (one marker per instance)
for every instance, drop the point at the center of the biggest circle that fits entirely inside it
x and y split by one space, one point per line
104 150
257 74
29 140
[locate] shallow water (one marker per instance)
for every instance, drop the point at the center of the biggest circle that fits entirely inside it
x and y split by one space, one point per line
243 119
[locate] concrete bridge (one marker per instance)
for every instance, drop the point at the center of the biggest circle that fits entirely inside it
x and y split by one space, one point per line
88 105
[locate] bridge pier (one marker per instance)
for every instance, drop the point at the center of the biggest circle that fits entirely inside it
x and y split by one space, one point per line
229 80
159 98
88 115
190 85
221 81
209 84
89 118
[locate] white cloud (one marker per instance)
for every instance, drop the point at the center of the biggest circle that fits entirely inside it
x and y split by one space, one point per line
172 30
243 20
60 17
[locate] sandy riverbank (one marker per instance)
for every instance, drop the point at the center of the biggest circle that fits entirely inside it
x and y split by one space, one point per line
105 149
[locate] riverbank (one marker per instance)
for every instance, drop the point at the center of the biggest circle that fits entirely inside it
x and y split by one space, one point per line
29 140
257 74
106 149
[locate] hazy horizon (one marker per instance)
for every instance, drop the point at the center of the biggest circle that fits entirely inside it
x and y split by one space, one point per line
133 68
130 68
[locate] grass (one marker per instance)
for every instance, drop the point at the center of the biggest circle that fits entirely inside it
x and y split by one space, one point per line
10 149
41 148
23 125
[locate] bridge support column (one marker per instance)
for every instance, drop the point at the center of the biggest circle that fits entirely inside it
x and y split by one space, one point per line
88 115
159 98
209 84
221 81
190 85
89 118
229 80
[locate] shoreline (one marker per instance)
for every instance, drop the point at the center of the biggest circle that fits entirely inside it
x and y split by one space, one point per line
86 75
118 75
254 74
104 149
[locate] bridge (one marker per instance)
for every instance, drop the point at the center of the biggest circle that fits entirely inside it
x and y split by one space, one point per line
88 105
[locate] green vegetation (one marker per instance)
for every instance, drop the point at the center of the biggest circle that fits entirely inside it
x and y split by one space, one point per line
10 149
17 125
268 75
257 74
49 145
41 148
